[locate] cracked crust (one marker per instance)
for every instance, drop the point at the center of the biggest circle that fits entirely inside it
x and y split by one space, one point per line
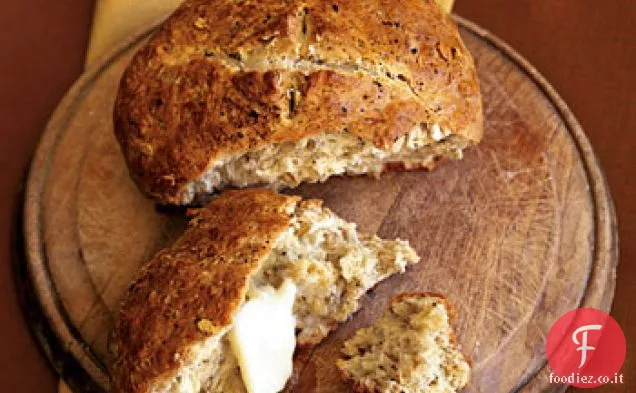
171 332
167 308
227 77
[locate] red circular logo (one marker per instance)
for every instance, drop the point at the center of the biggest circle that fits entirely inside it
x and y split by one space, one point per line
586 348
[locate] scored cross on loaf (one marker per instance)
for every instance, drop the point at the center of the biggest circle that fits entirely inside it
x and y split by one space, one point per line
242 93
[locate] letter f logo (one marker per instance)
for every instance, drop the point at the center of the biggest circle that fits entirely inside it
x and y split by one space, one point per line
587 338
584 347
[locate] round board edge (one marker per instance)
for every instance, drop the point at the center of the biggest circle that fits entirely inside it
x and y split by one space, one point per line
51 326
606 243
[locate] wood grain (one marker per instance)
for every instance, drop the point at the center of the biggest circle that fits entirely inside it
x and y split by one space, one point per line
516 234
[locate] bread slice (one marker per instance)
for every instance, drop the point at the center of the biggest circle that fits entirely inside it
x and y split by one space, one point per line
410 349
172 331
237 94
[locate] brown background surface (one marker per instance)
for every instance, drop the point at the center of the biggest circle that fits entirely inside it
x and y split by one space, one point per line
585 48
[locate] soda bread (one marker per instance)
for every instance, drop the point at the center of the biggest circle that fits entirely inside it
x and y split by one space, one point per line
172 334
410 349
240 93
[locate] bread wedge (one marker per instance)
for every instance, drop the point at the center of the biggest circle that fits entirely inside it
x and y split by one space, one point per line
410 349
242 93
176 323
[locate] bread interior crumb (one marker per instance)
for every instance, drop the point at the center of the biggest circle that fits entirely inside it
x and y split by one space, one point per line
332 266
316 158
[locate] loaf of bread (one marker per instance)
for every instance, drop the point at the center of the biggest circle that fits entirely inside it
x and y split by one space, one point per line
175 325
410 349
267 92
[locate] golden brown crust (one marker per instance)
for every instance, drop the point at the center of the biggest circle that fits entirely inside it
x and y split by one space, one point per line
224 77
190 291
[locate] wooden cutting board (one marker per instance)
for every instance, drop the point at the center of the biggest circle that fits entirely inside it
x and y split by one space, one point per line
516 234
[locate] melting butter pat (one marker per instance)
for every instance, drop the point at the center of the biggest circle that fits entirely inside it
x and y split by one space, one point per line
263 338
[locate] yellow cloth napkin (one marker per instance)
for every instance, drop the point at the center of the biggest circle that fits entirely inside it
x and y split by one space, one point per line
116 20
63 388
